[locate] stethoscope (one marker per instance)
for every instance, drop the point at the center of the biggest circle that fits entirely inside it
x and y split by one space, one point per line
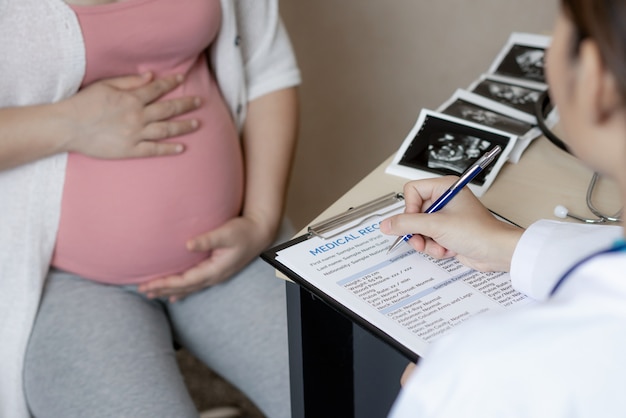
618 246
542 108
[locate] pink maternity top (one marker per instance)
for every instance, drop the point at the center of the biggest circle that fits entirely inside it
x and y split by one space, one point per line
127 221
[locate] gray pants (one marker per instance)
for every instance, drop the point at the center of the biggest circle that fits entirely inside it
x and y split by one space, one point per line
106 351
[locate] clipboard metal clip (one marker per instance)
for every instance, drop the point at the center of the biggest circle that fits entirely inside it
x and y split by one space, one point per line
353 217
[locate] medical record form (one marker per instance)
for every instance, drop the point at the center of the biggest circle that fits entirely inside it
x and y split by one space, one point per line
405 297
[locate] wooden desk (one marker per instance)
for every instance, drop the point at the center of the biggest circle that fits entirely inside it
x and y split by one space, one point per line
522 192
340 370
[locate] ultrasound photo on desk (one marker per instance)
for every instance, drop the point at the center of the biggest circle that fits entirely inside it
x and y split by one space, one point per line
475 113
523 62
444 147
518 97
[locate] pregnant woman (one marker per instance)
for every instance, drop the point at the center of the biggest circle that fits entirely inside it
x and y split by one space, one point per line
148 253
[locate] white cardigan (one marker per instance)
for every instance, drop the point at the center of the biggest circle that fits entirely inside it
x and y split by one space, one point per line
42 62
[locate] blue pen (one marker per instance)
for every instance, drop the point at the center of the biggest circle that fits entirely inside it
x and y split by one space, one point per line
465 178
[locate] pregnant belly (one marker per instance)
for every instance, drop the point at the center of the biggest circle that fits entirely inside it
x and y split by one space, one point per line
128 221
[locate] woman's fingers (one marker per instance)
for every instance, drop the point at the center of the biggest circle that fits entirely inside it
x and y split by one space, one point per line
167 109
158 115
157 88
156 149
130 82
125 117
167 129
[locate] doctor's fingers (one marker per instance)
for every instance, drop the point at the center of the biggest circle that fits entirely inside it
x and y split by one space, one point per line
411 223
419 194
408 371
433 248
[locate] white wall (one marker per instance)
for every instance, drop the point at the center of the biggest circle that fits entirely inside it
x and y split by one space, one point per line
369 66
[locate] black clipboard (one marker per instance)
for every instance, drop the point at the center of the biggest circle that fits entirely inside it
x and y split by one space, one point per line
335 226
327 229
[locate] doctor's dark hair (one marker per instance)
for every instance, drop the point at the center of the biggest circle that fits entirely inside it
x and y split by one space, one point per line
603 21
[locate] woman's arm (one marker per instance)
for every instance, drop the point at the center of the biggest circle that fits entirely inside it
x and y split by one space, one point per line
269 140
115 118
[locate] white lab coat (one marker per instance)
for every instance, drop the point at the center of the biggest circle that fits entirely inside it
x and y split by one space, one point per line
562 357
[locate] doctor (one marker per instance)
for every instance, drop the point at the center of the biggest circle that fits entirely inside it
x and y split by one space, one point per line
565 356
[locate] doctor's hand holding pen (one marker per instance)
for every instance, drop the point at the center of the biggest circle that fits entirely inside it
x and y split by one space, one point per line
464 228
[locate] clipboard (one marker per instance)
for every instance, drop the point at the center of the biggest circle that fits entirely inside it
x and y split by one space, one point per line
438 299
330 228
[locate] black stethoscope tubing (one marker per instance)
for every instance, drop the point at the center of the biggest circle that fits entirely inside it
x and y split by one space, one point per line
543 106
619 246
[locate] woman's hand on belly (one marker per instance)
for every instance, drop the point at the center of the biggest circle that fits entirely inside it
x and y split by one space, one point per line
232 246
122 118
